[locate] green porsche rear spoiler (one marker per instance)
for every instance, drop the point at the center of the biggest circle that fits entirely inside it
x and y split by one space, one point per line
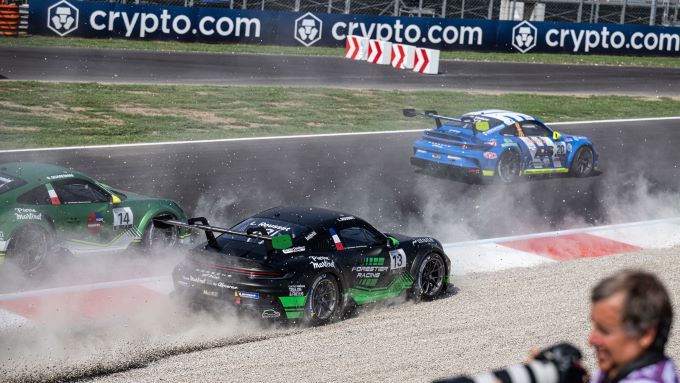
279 242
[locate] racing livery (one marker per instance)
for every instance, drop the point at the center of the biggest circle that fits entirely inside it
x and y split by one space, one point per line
45 209
502 144
307 264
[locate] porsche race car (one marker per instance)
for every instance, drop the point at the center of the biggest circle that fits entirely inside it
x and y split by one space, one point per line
45 209
306 264
501 144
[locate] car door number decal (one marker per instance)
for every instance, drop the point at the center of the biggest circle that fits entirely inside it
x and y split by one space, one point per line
397 259
122 217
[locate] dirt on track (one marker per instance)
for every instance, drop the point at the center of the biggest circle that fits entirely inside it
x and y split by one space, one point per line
491 320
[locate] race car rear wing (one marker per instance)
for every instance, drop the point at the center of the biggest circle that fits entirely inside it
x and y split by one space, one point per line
281 241
438 118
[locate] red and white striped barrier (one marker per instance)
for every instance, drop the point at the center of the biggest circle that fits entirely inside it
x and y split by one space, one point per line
379 52
426 61
403 56
356 48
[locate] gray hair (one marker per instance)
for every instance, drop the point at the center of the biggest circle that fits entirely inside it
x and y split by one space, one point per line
646 303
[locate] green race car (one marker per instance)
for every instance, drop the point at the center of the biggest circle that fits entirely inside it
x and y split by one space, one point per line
47 209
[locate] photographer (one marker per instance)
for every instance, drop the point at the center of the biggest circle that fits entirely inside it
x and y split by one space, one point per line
631 315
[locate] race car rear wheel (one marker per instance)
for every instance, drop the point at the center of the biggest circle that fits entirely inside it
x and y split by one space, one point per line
156 240
29 247
323 301
583 163
429 282
508 167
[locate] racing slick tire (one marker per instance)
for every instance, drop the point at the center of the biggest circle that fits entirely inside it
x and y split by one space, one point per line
323 301
29 247
508 167
583 163
430 278
156 240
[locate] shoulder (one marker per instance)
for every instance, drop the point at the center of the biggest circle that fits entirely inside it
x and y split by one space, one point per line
663 371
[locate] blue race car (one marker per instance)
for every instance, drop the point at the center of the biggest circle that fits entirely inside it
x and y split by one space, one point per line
502 144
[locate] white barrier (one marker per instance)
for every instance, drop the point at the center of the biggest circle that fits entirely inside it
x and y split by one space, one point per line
379 52
403 56
426 61
356 48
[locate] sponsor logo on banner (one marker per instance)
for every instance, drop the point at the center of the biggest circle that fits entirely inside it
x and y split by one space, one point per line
62 18
94 222
524 36
308 29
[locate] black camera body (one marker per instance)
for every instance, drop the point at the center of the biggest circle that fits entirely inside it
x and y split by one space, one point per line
560 363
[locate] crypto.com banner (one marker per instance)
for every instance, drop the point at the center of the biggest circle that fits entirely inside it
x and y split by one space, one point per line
104 20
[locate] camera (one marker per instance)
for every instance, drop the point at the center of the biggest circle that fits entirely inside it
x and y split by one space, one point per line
560 363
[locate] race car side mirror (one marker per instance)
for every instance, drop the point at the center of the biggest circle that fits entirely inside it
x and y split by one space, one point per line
392 242
115 200
556 136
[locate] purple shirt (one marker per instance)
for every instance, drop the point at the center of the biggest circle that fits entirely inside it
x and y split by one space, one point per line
663 371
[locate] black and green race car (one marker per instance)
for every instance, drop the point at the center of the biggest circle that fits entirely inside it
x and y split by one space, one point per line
47 209
307 264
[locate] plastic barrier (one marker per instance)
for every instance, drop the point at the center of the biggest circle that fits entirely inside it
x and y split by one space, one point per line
356 48
426 61
9 20
403 56
379 52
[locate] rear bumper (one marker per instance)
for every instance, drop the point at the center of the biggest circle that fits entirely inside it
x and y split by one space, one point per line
457 169
263 297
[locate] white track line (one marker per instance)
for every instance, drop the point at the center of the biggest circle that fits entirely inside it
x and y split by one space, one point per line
300 136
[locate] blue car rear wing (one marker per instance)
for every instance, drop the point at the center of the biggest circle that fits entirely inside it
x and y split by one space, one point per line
467 124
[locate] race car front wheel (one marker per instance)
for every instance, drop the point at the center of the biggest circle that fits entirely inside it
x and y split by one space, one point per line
430 280
323 301
583 163
28 248
507 167
156 240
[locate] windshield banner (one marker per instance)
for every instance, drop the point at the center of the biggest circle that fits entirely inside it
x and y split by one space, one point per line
217 25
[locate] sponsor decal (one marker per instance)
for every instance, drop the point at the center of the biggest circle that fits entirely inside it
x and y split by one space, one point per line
423 240
508 140
368 275
270 313
308 29
492 143
210 293
271 228
311 235
507 145
122 217
296 290
569 147
94 222
59 176
490 155
294 250
319 259
567 139
22 214
62 18
524 36
397 259
370 269
54 198
453 158
347 218
249 295
338 244
323 264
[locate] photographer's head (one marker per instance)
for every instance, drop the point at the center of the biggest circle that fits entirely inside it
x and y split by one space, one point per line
631 315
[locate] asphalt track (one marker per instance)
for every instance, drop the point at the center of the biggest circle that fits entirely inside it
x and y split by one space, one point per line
128 66
370 176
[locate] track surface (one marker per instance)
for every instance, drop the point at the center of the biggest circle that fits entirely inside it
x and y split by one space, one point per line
370 175
124 66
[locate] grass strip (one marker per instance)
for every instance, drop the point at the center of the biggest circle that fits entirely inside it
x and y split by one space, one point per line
40 114
536 58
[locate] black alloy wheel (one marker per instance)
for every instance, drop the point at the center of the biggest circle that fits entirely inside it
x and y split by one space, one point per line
431 275
323 301
508 167
582 164
28 248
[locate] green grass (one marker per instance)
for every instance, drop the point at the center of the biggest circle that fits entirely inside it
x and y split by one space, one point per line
542 58
38 114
